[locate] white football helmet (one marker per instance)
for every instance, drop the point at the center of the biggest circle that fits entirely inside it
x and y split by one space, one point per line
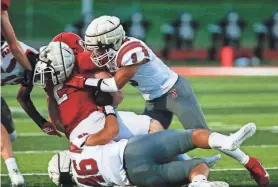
59 169
104 37
56 62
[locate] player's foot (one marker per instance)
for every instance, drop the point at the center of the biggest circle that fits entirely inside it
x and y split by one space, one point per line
257 171
16 178
208 184
212 161
240 136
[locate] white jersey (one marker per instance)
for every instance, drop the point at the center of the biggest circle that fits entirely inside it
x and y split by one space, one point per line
100 165
153 79
11 70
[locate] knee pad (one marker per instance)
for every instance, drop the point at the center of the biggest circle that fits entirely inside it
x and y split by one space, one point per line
12 136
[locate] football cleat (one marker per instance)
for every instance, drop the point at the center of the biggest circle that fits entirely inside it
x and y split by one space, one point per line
257 171
240 136
212 161
16 178
208 184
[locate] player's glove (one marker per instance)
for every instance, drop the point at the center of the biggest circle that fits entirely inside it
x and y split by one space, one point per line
103 98
109 110
50 129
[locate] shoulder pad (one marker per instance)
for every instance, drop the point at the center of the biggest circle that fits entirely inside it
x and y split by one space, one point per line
132 53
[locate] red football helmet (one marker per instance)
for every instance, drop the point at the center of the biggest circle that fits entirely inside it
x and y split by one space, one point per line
72 40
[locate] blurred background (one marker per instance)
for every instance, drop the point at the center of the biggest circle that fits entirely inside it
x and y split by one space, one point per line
179 30
194 37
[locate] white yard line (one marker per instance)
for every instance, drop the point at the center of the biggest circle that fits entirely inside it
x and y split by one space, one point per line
56 151
223 169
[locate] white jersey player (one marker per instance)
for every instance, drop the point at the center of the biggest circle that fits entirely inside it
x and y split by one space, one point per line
165 92
140 162
11 71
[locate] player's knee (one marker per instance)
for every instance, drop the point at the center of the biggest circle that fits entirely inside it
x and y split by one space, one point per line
155 126
12 136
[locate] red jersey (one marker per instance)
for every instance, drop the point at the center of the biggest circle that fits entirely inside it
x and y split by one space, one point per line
5 4
74 104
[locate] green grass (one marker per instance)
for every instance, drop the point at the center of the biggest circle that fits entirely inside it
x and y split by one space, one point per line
46 25
227 103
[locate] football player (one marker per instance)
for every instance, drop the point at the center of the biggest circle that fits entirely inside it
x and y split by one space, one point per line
140 161
76 107
166 93
13 73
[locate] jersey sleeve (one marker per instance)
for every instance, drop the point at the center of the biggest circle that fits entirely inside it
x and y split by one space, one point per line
132 53
5 4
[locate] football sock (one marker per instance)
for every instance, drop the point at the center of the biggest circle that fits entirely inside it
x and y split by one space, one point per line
238 155
199 177
11 164
217 140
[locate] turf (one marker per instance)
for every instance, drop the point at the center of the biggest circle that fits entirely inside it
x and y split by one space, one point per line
227 104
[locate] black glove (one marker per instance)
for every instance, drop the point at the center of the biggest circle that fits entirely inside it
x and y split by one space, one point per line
103 98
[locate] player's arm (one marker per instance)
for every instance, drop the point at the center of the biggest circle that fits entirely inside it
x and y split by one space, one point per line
53 114
23 97
14 45
104 136
117 96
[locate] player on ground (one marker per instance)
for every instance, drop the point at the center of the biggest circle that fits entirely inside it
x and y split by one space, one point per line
140 161
166 93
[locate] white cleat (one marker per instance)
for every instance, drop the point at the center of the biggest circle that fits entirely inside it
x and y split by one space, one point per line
16 178
208 184
240 136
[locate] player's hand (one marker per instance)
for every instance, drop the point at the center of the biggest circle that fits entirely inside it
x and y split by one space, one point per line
76 81
103 98
50 129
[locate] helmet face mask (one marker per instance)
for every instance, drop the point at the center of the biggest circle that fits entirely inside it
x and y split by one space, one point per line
56 62
104 37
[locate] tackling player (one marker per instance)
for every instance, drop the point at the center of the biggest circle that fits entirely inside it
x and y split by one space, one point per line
166 93
140 161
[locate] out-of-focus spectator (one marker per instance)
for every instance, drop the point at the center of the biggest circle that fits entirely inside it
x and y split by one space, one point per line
185 28
137 26
232 27
76 27
216 40
261 34
169 37
272 27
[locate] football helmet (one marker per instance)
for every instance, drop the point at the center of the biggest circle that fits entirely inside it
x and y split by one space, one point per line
59 169
55 62
104 37
74 41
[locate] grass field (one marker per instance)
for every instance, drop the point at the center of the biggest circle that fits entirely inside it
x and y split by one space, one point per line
227 104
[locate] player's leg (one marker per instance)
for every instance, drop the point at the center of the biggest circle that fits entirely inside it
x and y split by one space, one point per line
7 154
144 152
156 110
182 101
8 134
